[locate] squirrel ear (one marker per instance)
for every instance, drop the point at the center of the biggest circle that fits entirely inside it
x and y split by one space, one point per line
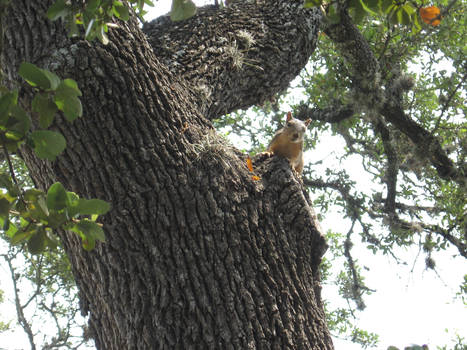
308 121
289 116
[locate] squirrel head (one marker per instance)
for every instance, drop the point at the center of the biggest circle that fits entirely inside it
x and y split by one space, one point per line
295 128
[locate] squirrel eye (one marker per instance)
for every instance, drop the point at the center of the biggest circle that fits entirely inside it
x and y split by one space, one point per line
289 124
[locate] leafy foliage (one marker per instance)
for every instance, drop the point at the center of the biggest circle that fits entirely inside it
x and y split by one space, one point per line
396 12
30 215
94 16
53 94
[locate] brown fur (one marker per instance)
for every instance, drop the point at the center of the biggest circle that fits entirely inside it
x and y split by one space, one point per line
288 142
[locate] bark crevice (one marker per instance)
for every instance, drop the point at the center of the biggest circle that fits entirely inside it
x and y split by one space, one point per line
240 55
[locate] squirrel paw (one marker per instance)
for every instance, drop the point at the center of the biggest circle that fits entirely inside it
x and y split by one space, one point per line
264 155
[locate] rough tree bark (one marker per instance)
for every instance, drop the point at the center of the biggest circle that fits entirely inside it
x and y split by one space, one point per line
198 255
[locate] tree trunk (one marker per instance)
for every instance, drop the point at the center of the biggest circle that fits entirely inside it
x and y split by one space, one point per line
198 254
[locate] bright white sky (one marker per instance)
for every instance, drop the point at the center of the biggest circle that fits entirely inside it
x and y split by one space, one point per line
410 306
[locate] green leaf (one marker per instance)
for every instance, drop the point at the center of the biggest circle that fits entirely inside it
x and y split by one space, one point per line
36 76
51 241
57 10
73 109
91 230
56 220
13 192
89 243
6 102
416 24
20 236
393 17
33 75
66 99
91 206
48 144
357 10
5 181
374 5
182 9
56 197
406 14
92 5
367 9
18 124
409 9
386 5
11 228
71 199
37 242
10 198
11 145
42 211
121 11
46 109
53 78
71 86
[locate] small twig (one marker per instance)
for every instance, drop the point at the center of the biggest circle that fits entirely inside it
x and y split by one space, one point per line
448 101
412 208
416 257
392 166
12 171
386 43
357 288
38 270
20 309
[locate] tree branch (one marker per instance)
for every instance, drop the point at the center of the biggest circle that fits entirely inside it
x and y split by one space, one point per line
392 167
331 115
357 287
361 62
239 55
364 69
354 205
445 233
426 142
415 208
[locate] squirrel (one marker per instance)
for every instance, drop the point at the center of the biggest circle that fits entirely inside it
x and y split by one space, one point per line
288 142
